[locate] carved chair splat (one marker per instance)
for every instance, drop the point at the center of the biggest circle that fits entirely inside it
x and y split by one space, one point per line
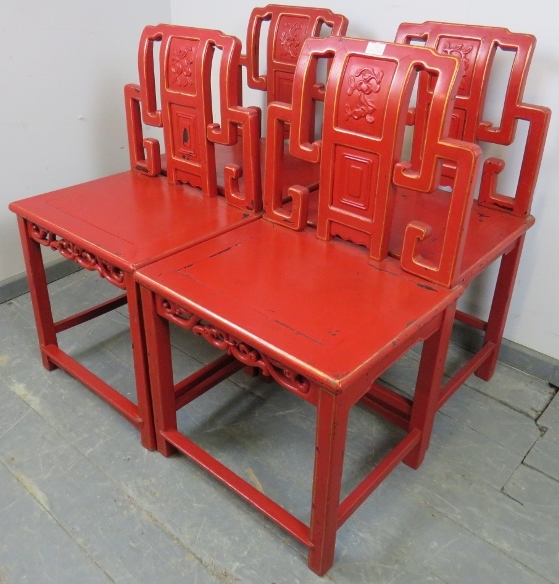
185 114
289 27
121 222
477 46
329 310
498 222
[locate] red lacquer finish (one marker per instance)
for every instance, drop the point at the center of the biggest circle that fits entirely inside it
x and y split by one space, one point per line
477 47
327 310
116 224
185 112
357 150
498 222
289 27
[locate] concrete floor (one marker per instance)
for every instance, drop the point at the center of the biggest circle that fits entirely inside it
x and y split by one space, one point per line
81 501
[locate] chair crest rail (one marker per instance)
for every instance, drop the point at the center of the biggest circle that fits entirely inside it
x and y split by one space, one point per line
289 27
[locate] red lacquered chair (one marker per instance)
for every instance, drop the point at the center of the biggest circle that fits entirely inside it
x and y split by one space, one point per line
324 311
117 224
498 222
289 26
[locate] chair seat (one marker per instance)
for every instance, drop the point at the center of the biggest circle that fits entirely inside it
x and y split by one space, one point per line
490 232
130 219
327 318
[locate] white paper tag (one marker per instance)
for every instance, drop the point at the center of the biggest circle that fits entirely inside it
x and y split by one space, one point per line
375 48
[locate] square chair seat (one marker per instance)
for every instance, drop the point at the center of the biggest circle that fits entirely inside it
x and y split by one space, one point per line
131 219
490 232
313 305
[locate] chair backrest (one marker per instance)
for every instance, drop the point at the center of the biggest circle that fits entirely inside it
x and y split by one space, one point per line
367 97
186 57
288 29
477 46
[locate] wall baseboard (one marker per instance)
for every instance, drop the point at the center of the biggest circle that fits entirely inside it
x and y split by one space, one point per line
513 354
18 285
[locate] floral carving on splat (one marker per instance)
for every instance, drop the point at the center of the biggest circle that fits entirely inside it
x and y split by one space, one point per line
182 73
461 51
364 84
242 351
82 257
290 40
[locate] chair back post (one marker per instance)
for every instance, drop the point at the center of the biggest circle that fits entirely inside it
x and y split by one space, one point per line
299 116
145 155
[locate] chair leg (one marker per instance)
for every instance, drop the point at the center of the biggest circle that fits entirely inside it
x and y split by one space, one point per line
46 328
139 351
39 293
331 429
500 308
158 345
428 386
